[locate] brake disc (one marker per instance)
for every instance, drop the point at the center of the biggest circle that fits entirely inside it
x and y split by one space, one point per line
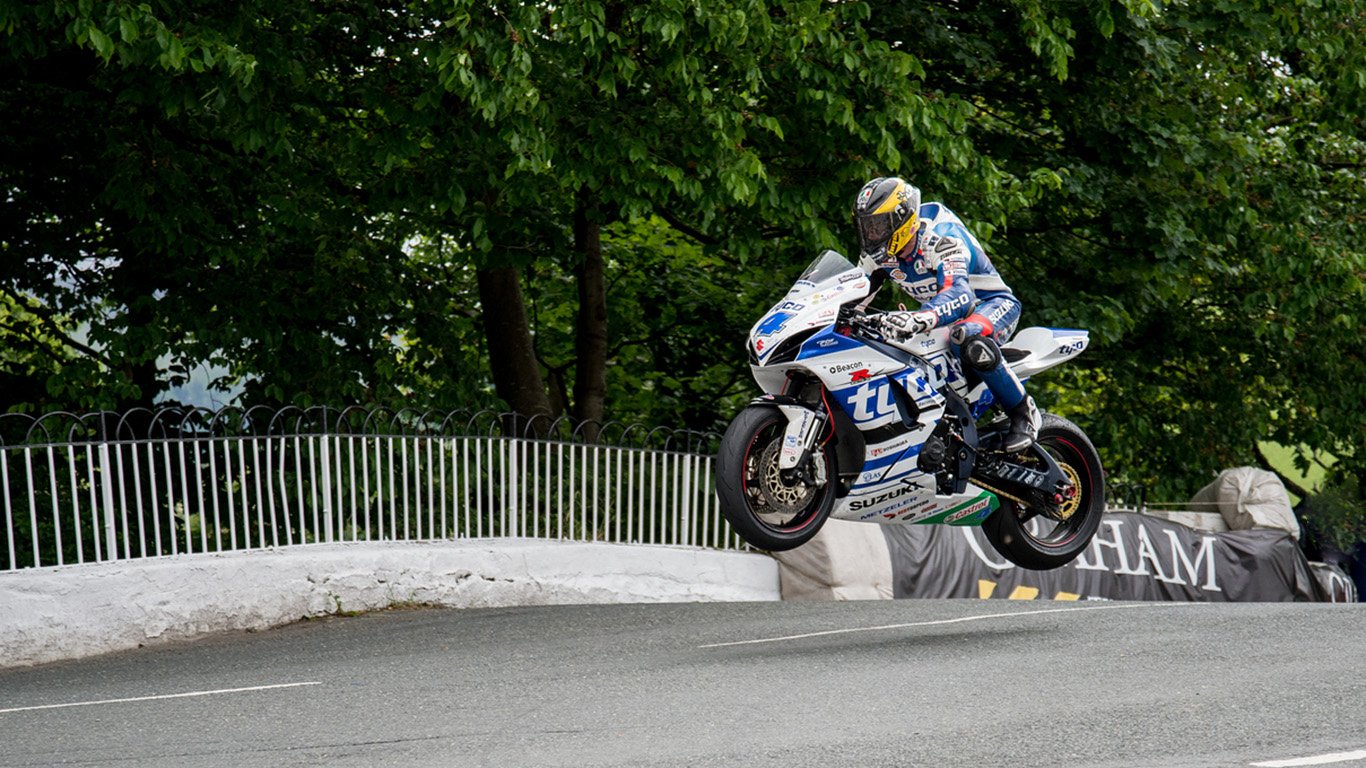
784 499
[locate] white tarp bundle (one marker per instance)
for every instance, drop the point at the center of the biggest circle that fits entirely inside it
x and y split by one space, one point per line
844 561
1248 498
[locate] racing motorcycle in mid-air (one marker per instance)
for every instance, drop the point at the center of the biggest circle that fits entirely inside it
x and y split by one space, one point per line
856 425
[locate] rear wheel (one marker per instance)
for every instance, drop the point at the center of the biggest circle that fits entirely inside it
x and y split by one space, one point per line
1041 539
770 511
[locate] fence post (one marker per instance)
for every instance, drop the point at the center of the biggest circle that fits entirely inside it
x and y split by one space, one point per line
107 472
328 532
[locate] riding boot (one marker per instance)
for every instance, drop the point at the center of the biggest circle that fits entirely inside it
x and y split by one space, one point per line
1024 426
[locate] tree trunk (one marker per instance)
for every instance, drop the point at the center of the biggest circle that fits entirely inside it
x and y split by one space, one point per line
516 374
135 281
590 370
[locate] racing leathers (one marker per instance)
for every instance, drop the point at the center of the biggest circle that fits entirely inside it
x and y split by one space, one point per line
946 270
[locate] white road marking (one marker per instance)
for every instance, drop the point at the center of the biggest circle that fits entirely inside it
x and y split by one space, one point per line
942 621
1335 757
162 696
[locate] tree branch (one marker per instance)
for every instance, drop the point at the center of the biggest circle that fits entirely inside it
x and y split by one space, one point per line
48 318
686 229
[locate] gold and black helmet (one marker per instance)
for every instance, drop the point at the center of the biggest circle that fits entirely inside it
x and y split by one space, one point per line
887 213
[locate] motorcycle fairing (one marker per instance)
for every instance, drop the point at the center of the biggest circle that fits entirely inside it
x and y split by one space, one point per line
864 375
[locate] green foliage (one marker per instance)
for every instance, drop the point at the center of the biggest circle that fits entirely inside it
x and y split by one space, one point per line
301 194
1336 514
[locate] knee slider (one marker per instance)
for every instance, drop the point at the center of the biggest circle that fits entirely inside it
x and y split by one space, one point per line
981 352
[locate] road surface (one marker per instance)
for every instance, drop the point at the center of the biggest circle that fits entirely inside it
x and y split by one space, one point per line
905 682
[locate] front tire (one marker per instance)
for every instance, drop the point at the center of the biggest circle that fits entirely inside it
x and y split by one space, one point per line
767 512
1038 540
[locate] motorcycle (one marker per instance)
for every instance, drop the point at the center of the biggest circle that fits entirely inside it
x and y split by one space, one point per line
854 425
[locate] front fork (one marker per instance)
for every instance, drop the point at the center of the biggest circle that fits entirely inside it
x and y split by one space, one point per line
805 425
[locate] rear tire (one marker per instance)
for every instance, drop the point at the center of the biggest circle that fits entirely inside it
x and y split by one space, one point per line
765 511
1036 541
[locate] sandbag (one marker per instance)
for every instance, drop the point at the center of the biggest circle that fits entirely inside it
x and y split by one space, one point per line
1248 498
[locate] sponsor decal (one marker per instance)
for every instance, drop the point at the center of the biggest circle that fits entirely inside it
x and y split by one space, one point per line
897 274
1017 474
882 450
826 314
873 475
873 398
826 343
1000 311
917 509
773 323
851 277
1073 348
895 493
970 509
859 375
759 345
899 508
843 367
792 306
944 310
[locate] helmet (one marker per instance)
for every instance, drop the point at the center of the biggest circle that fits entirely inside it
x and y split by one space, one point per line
887 214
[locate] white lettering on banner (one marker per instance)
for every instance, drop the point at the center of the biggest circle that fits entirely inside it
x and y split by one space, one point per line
1206 548
1148 553
1178 565
1116 544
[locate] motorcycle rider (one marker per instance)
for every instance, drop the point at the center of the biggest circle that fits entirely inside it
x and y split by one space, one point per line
926 249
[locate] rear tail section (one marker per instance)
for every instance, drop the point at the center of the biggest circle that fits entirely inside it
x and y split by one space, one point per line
1033 350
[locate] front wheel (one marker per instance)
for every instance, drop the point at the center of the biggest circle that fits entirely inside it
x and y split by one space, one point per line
767 510
1044 539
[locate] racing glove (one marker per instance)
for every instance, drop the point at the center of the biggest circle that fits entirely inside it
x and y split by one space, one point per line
900 325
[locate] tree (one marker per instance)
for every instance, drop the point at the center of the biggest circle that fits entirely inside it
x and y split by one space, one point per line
580 207
178 193
1205 170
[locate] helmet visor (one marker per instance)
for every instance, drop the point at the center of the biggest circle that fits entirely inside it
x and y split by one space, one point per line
874 231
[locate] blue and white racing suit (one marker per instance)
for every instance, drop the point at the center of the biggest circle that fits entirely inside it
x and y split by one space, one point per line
947 271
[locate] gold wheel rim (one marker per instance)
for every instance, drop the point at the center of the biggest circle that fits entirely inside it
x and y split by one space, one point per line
1070 506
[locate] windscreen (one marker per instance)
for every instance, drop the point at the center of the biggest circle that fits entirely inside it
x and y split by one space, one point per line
826 265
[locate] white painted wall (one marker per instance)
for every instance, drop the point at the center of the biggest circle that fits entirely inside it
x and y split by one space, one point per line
50 614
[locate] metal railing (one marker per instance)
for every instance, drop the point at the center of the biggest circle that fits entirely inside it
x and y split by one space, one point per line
105 486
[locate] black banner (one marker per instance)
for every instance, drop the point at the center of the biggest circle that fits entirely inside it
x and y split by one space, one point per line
1132 557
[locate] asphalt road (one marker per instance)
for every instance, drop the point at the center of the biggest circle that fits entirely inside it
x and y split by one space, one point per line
907 683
